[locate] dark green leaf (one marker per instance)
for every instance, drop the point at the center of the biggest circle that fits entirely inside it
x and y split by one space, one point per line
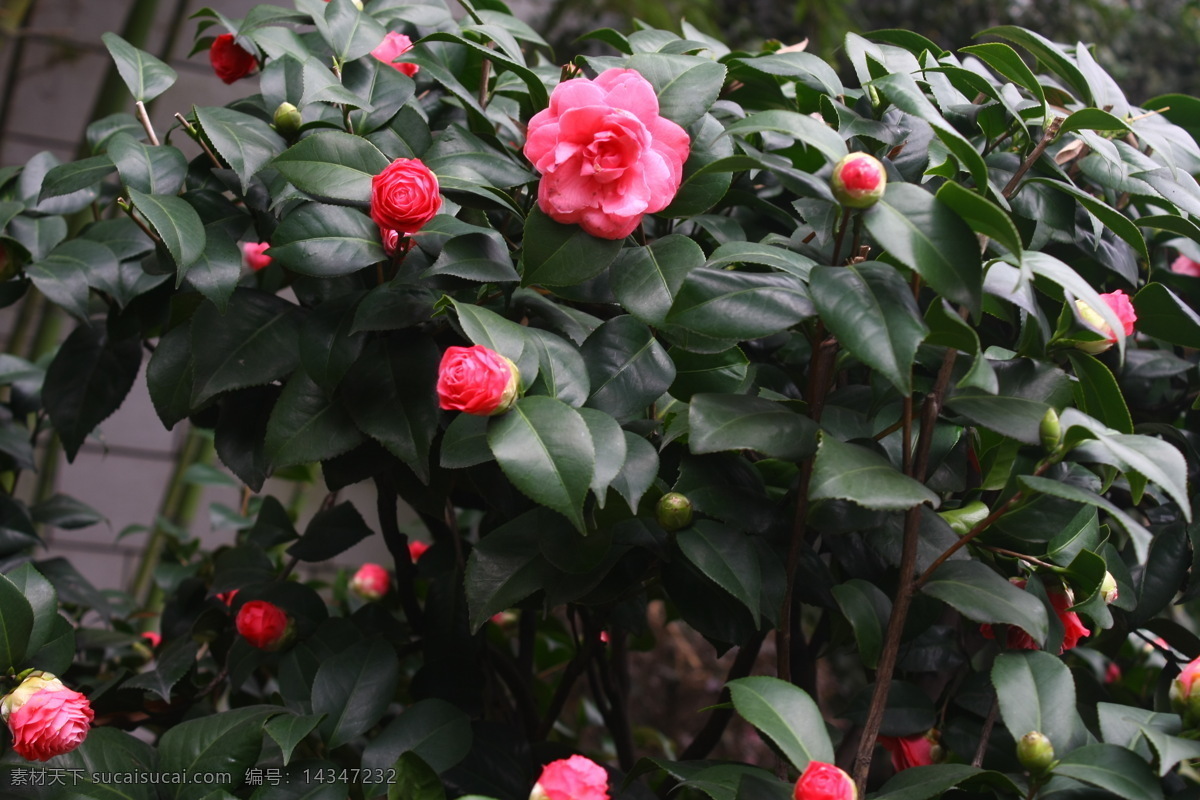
737 306
333 166
562 255
155 170
307 426
16 624
786 715
801 127
1097 393
288 730
169 376
216 273
353 689
482 257
545 449
719 422
507 565
981 595
850 472
627 367
1005 61
75 175
725 557
227 742
984 216
87 381
66 513
646 279
146 76
868 609
1049 55
349 31
245 142
639 471
177 225
695 373
1113 769
686 85
63 274
1160 313
171 663
437 731
326 241
253 344
330 532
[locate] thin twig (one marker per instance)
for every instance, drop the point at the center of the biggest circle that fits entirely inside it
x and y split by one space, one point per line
198 139
986 733
841 234
144 118
575 668
718 719
1015 554
1048 136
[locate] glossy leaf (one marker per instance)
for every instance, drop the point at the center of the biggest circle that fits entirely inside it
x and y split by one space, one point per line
246 143
16 624
254 343
562 255
850 472
353 689
177 225
333 166
146 76
979 594
724 556
719 422
307 426
786 715
627 368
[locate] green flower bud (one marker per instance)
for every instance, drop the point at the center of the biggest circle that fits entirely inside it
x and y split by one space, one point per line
1051 430
962 520
1035 752
287 119
1108 588
858 180
674 512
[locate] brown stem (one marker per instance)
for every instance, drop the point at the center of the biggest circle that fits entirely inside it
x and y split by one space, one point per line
144 118
617 718
518 686
1047 137
841 234
986 733
1015 554
978 529
904 592
575 667
906 426
195 134
718 719
818 384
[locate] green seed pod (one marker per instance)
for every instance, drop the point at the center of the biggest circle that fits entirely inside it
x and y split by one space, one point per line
1035 752
674 512
1051 430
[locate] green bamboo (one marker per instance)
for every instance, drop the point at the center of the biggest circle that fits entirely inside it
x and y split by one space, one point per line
178 507
22 330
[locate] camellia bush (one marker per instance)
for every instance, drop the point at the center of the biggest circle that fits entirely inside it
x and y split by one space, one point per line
889 384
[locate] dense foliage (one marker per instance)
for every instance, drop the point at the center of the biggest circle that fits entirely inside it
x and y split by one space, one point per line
921 443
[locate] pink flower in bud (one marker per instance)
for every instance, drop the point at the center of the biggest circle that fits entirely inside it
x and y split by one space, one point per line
574 778
253 255
395 243
416 549
227 597
604 637
859 180
264 625
822 781
1113 673
393 46
1119 302
1185 266
152 638
909 751
45 717
371 582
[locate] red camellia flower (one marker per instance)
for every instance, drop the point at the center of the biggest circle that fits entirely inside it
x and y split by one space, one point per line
45 717
1119 302
416 549
1185 266
404 197
253 255
393 45
230 60
606 157
264 625
909 751
574 778
476 380
1073 627
822 781
371 582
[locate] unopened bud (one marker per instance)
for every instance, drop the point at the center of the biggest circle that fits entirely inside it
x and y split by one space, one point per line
674 512
859 180
265 625
1035 752
962 520
1051 430
287 119
1108 588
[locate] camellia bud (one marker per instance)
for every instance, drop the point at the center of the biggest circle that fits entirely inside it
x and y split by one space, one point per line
265 625
287 119
1035 752
822 781
1120 305
859 180
1108 588
1050 430
371 582
574 778
674 512
477 380
1185 693
46 718
962 520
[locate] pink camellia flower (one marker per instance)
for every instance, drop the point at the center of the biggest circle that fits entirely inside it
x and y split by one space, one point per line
392 46
1185 266
822 781
264 625
253 255
1073 627
404 197
1119 302
574 778
227 597
371 582
476 380
909 751
1185 693
45 717
229 59
152 639
606 157
1112 673
416 549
